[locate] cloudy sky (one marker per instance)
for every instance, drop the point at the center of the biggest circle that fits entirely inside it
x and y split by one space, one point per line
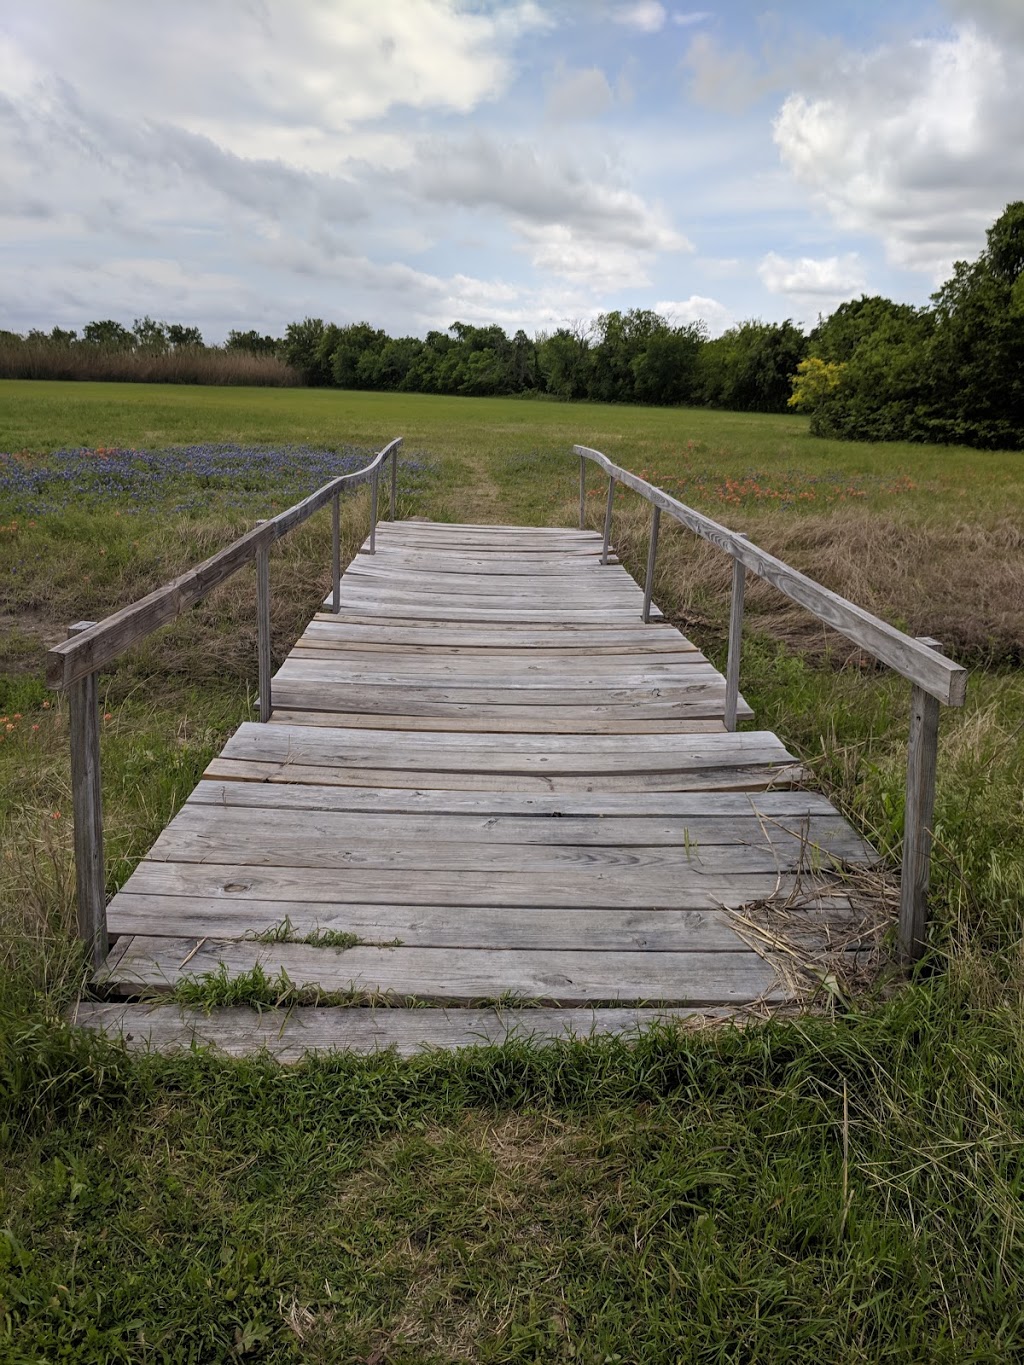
244 163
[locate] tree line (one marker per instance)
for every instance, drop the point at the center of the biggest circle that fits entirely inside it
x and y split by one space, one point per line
633 357
950 372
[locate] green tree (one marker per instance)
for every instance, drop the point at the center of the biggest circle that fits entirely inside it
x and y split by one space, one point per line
837 337
150 335
563 362
302 349
252 342
349 345
181 337
108 333
750 367
666 370
976 354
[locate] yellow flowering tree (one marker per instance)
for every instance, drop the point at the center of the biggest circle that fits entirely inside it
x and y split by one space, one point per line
814 380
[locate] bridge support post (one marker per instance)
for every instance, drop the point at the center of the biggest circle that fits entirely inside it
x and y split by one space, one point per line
583 494
263 630
652 551
87 805
373 512
732 667
608 520
919 811
394 483
336 553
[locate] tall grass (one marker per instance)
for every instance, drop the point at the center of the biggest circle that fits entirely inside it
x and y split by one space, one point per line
187 365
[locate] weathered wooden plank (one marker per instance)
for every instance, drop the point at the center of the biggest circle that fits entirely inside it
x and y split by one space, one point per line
301 742
540 630
691 676
376 639
741 778
507 927
445 565
589 588
403 695
461 573
458 535
448 559
368 607
931 671
340 832
422 663
579 887
463 976
604 655
200 838
703 703
513 589
789 806
482 608
240 1032
556 720
485 547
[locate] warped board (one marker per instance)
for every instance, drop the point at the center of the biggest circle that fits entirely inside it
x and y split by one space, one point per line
238 1032
484 778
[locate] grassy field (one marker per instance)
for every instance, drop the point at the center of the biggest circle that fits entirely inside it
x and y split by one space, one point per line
846 1187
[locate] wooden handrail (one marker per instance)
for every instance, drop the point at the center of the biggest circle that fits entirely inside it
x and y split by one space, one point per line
934 678
73 665
103 642
930 670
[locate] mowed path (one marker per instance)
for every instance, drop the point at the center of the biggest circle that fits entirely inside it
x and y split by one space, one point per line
502 788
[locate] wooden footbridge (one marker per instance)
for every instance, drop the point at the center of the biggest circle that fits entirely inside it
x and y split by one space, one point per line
489 775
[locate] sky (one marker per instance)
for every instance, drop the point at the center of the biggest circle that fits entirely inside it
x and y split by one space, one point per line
248 163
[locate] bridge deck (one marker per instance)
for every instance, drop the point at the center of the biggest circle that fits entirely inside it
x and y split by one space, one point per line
501 786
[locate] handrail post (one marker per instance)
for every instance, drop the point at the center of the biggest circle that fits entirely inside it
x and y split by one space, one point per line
87 805
263 630
394 483
732 667
922 756
652 551
336 553
373 513
583 493
608 520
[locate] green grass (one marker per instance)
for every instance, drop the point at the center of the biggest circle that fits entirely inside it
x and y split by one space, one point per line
826 1189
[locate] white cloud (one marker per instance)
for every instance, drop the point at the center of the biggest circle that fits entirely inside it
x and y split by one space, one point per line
810 276
272 80
600 266
697 16
578 94
648 16
697 308
813 285
543 189
920 145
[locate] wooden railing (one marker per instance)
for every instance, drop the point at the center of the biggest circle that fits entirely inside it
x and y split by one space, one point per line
91 646
933 677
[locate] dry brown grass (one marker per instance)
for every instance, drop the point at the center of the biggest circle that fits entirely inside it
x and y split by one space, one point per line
191 365
961 582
